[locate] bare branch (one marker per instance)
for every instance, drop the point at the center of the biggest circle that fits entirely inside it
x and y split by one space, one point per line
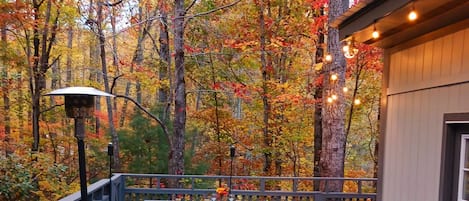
163 126
237 78
114 80
190 6
51 108
214 10
136 24
112 4
55 61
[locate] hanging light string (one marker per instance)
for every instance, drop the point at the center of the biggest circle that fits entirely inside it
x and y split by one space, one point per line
350 50
376 34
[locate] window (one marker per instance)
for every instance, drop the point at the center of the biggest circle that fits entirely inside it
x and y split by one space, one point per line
454 177
463 184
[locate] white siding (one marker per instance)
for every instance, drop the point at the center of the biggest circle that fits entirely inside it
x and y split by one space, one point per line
438 62
415 108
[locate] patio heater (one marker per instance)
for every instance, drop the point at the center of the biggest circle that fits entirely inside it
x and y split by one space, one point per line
79 104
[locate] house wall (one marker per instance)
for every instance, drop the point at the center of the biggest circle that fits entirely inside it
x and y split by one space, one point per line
425 81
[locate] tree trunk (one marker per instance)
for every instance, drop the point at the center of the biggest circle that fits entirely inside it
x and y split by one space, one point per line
176 156
217 121
42 46
165 63
265 99
5 89
68 79
333 137
375 154
21 103
115 58
102 43
94 60
136 61
35 81
318 58
359 67
317 136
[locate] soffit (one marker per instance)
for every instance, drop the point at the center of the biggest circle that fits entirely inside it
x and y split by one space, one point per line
390 19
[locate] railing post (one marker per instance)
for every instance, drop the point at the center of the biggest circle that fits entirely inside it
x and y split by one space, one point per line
158 183
192 183
359 183
326 183
295 185
318 197
122 188
262 180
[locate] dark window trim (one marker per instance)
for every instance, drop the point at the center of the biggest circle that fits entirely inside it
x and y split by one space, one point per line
453 126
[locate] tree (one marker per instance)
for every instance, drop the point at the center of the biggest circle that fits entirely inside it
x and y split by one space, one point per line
362 129
142 26
164 96
138 146
176 155
102 45
319 25
177 141
265 64
5 84
43 36
333 119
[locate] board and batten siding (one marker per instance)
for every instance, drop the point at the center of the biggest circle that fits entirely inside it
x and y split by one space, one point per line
424 82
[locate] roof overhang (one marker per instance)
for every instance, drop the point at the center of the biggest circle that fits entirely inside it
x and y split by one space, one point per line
390 19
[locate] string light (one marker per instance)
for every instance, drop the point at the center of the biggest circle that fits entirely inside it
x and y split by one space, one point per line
357 102
334 77
330 100
345 89
328 58
412 14
346 48
334 97
375 33
349 50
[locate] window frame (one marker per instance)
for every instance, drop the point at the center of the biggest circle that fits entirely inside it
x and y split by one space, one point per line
462 161
454 126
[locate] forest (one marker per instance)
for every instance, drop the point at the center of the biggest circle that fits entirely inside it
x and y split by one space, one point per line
190 78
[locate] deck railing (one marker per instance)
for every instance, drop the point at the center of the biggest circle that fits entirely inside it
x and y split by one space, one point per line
150 187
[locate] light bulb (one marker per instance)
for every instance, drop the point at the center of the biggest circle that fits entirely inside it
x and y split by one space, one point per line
346 48
334 97
357 102
345 89
334 77
375 34
412 15
330 100
349 50
328 58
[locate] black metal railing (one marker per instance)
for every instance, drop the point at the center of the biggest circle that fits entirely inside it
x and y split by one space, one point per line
147 187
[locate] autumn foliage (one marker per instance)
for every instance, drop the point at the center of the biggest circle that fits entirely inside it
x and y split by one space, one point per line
250 73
